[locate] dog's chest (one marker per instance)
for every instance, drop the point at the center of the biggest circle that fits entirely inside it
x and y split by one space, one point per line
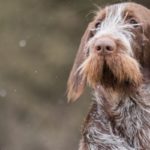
128 126
132 122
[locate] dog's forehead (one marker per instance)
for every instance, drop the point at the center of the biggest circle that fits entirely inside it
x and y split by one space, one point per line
131 8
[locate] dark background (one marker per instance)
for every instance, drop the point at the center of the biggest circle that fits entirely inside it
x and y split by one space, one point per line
38 43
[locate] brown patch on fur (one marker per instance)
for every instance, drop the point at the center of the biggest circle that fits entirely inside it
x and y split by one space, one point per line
92 69
125 68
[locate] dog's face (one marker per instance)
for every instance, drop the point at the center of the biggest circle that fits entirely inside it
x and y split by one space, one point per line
113 50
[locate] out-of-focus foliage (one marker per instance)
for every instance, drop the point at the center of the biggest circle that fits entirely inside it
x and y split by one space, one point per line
38 42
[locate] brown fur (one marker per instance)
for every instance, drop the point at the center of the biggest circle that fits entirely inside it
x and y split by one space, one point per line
120 115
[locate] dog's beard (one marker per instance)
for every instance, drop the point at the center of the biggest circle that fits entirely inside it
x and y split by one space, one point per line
111 71
92 69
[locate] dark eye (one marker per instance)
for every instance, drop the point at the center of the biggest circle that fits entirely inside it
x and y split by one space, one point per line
98 24
134 22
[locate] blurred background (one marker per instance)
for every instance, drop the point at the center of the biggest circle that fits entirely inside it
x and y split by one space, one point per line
38 43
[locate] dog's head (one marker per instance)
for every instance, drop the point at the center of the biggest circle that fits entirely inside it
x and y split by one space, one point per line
113 50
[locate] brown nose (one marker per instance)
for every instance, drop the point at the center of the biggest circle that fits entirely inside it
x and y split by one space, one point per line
104 45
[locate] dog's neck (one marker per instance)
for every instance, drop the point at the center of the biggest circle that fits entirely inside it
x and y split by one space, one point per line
112 97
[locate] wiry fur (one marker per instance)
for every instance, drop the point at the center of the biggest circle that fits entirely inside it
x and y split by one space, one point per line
124 126
119 118
90 71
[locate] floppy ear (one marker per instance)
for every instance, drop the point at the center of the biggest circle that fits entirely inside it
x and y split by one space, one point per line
76 81
146 43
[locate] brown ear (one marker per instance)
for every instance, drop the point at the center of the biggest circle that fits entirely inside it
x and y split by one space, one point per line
76 81
146 43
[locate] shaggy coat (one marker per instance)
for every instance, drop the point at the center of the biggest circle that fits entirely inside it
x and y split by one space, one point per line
114 60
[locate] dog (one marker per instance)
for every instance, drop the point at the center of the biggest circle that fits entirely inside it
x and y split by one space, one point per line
114 60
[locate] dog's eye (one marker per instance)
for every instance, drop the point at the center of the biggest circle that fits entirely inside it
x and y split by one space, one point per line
98 24
134 22
94 30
